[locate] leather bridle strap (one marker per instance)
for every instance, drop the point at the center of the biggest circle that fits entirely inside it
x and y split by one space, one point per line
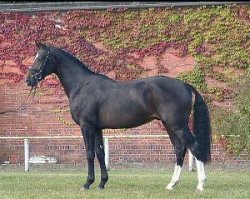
22 106
38 73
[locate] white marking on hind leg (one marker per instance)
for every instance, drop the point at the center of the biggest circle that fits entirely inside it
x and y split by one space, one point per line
201 175
175 177
190 160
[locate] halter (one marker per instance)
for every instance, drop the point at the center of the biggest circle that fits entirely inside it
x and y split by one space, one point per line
38 73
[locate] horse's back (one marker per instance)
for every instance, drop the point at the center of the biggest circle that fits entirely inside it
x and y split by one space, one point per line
167 88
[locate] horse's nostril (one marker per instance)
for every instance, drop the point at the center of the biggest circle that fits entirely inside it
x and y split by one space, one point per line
28 82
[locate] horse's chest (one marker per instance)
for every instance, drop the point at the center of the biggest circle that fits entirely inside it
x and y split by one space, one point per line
75 111
83 112
75 116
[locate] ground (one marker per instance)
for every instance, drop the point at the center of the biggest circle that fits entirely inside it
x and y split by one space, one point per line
62 181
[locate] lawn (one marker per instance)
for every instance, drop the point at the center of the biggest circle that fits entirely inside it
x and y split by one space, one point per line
128 183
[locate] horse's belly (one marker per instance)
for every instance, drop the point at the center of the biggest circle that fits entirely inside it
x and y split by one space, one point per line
125 120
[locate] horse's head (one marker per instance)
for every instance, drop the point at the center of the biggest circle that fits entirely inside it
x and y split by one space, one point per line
42 65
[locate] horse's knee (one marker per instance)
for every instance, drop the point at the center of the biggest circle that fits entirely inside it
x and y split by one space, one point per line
90 155
100 152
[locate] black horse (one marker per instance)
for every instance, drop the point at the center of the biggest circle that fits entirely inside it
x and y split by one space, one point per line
98 102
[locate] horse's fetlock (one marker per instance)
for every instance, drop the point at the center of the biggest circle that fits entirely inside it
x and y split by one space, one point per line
91 180
105 179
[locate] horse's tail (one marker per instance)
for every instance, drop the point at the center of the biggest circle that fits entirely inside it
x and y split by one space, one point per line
202 127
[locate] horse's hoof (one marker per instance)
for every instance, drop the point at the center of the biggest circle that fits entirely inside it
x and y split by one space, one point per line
200 186
169 187
200 189
83 188
101 187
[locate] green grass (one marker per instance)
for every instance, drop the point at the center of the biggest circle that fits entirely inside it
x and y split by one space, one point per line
130 183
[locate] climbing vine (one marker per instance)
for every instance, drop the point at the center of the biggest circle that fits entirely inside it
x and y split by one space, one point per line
233 125
195 77
210 34
117 40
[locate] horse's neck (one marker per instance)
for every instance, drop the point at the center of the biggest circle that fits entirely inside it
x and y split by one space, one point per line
72 75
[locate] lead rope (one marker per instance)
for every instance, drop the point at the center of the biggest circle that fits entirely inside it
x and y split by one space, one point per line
22 106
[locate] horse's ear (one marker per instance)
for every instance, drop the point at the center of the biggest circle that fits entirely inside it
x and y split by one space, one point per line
40 45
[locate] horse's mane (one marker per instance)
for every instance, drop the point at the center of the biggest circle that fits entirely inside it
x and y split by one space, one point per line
77 61
73 58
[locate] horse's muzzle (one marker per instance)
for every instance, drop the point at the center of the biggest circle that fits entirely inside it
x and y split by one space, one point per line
30 80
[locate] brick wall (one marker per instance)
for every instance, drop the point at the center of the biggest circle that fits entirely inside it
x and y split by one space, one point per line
122 150
45 118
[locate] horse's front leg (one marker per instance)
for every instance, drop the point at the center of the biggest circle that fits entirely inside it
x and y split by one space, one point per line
89 139
99 148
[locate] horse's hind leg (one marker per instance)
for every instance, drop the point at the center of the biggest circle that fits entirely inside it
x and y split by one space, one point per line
188 140
201 175
99 148
180 151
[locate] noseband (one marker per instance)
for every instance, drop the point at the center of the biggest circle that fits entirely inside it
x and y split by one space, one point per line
38 73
